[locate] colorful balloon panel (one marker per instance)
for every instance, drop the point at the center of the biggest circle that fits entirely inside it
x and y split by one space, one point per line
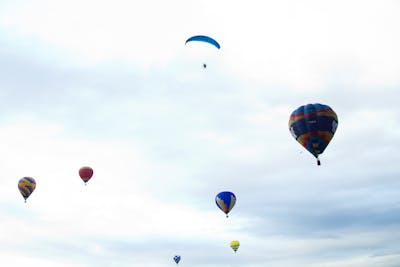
235 245
177 258
26 186
86 173
313 126
225 201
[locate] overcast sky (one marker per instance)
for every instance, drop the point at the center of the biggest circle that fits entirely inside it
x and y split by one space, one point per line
112 85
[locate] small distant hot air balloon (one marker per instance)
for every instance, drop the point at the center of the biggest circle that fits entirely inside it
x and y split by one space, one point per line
235 245
86 173
177 258
225 201
26 186
313 126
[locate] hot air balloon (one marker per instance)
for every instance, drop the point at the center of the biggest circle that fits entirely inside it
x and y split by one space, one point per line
205 39
86 173
313 126
235 245
177 258
26 186
225 201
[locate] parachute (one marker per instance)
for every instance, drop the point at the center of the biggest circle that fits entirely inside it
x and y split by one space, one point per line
177 258
26 186
313 126
86 173
235 245
203 38
225 201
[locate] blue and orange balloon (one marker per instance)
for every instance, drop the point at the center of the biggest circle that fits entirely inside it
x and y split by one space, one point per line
85 173
225 201
313 126
26 186
177 259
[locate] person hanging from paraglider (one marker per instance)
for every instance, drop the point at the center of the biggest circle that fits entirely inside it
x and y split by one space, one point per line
206 39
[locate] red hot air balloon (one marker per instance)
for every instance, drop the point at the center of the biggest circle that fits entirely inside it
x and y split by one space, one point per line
85 173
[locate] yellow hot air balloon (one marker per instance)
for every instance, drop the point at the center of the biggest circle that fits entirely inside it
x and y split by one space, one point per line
235 245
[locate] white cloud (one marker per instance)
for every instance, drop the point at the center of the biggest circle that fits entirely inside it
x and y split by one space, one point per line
287 43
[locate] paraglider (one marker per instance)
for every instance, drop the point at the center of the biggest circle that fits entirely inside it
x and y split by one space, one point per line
313 126
85 173
205 39
177 258
225 201
235 245
26 186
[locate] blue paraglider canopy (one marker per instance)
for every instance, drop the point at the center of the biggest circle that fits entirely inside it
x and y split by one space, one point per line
203 38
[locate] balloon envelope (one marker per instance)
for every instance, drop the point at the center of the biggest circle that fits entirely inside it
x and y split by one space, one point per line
177 258
203 38
26 186
313 126
235 245
225 201
86 173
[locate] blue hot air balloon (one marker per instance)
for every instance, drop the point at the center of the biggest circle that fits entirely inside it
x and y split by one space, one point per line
225 201
177 258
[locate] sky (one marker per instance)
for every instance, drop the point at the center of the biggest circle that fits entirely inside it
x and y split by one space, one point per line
112 85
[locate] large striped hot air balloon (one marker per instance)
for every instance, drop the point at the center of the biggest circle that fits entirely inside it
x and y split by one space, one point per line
313 126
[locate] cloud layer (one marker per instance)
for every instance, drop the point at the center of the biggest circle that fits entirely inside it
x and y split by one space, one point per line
113 86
